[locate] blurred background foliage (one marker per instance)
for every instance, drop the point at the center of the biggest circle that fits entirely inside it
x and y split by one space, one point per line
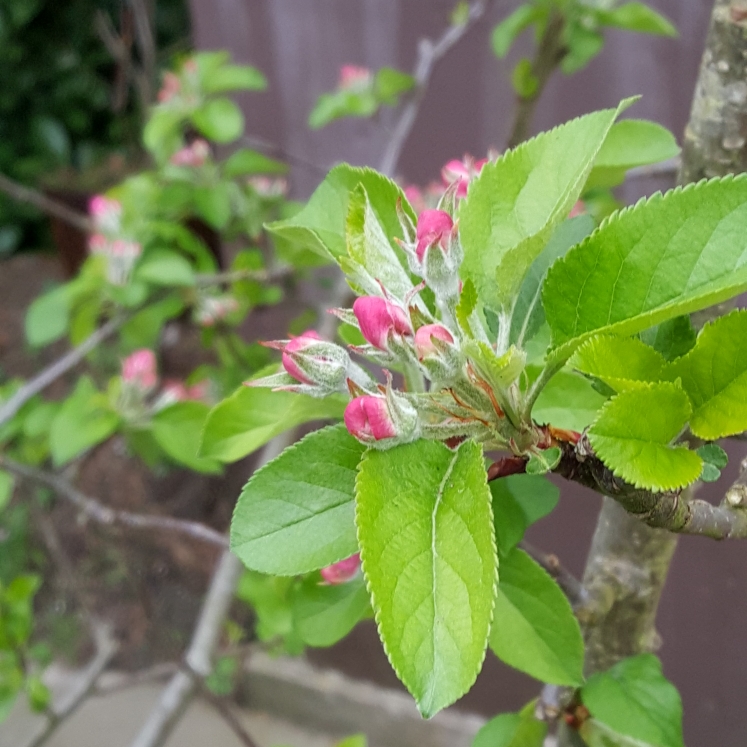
60 110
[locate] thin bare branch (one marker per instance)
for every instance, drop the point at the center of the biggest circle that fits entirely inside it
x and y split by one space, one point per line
429 53
106 648
107 516
22 193
59 368
663 510
147 45
224 710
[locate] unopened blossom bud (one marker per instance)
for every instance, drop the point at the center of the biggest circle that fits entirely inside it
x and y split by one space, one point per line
462 172
342 571
106 213
435 227
296 345
354 77
379 319
424 346
193 155
139 369
98 243
368 419
170 88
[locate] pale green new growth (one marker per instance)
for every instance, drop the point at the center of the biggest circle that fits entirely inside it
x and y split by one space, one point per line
516 203
634 432
296 514
425 529
667 256
513 730
714 375
534 628
635 700
620 362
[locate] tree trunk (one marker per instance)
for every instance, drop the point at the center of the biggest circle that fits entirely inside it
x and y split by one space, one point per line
628 561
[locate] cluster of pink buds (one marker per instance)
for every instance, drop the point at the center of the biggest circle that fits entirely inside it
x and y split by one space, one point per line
354 78
170 88
173 391
119 253
342 571
209 310
140 371
106 214
269 187
193 156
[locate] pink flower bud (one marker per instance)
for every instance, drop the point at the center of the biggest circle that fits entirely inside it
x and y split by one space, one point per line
353 76
175 390
424 346
578 209
171 86
434 227
294 346
342 571
378 318
139 369
97 243
193 155
463 172
368 419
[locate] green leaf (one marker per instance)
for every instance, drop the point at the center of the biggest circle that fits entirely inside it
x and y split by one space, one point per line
233 78
84 420
245 162
357 740
583 46
325 614
714 375
672 338
714 454
622 363
219 120
48 317
523 79
178 430
144 328
631 143
519 501
371 258
516 203
163 267
7 483
513 730
296 514
505 33
251 417
425 528
637 17
634 699
633 433
213 204
534 628
543 461
343 103
390 84
321 224
529 315
568 401
667 256
162 135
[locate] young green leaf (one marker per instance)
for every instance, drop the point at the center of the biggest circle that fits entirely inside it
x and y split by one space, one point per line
631 143
356 740
295 515
505 33
633 436
517 202
622 363
163 267
321 224
250 417
48 317
233 78
324 615
529 315
636 16
244 162
84 420
714 375
672 338
390 84
634 699
425 528
519 501
371 257
583 45
177 430
667 256
568 401
219 120
523 79
513 730
534 628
